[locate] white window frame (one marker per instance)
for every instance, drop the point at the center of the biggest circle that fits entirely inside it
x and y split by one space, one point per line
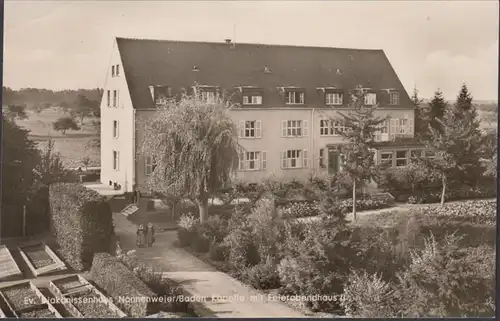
252 99
382 132
116 160
245 127
294 128
116 130
259 159
209 96
389 160
297 157
117 70
370 99
394 98
291 97
401 158
332 98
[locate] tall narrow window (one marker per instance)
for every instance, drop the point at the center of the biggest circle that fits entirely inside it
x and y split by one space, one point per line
115 97
113 71
115 129
322 158
116 160
109 98
117 70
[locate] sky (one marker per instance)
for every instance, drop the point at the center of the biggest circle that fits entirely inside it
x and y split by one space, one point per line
431 44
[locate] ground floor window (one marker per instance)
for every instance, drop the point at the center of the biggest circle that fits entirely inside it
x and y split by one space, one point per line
253 160
401 158
295 158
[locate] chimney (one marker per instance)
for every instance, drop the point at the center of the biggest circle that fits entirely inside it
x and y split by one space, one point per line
228 41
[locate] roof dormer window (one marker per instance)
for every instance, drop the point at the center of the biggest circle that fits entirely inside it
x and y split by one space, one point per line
293 95
160 94
370 99
208 94
394 98
334 98
251 95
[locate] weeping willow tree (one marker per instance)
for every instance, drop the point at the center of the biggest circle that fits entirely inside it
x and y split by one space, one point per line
193 144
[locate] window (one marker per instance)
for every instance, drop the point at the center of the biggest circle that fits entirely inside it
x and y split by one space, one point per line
322 158
294 97
381 134
403 126
253 161
109 98
386 158
401 158
116 160
115 98
149 165
294 159
250 129
252 100
115 129
394 98
113 71
208 96
430 154
117 71
415 153
329 127
333 98
370 99
294 128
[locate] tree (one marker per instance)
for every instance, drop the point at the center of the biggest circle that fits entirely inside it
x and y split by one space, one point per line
360 124
19 158
51 169
437 108
194 146
15 111
84 107
457 146
420 115
65 123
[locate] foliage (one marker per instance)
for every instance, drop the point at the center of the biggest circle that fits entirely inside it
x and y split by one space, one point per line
437 108
85 107
109 274
441 277
242 250
200 243
321 263
217 251
215 228
195 147
65 123
361 125
263 276
19 159
82 222
368 296
409 179
16 112
50 169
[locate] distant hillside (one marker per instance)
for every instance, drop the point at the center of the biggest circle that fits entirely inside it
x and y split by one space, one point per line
33 97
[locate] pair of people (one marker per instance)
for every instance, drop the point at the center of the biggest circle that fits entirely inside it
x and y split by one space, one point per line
145 235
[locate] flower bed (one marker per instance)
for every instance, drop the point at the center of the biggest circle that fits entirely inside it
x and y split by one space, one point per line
26 301
38 256
21 297
86 301
41 313
8 266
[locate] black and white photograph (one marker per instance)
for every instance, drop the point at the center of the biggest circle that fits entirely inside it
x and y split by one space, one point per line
249 159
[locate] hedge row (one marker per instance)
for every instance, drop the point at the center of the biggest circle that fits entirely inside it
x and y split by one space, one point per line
121 283
82 223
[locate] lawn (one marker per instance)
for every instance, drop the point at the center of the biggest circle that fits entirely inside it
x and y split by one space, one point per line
71 146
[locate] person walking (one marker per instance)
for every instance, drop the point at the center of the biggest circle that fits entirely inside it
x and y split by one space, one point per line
140 236
150 234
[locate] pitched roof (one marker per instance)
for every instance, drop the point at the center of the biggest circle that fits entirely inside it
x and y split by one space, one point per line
166 62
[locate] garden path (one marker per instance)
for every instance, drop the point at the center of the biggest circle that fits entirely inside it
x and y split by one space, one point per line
220 295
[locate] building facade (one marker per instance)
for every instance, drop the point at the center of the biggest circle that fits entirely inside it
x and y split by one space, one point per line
285 98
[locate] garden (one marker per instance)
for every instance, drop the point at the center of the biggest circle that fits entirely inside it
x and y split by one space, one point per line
389 264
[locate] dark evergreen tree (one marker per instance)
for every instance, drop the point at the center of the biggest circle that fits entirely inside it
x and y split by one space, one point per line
437 108
421 123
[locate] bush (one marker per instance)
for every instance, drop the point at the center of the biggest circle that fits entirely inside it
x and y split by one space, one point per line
321 263
241 247
120 282
215 228
217 252
201 243
408 179
368 296
186 233
263 276
265 227
441 278
82 222
457 193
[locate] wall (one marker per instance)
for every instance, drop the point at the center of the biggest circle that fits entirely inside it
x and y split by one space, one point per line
124 114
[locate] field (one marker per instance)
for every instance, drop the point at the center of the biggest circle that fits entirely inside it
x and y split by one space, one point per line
71 146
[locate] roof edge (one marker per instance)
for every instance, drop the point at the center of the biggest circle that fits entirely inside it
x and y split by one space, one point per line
243 43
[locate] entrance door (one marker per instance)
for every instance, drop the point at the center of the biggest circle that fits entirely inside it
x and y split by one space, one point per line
333 161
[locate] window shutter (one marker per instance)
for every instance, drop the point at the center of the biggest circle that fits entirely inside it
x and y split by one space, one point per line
305 163
242 161
305 130
264 161
394 127
258 128
283 128
242 129
283 159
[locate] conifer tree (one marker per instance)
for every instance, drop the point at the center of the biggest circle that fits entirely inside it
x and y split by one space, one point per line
437 108
360 126
420 115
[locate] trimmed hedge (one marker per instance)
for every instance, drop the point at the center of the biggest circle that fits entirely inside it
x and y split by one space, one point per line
122 284
82 223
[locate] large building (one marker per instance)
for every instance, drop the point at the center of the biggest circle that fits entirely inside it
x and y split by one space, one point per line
286 95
